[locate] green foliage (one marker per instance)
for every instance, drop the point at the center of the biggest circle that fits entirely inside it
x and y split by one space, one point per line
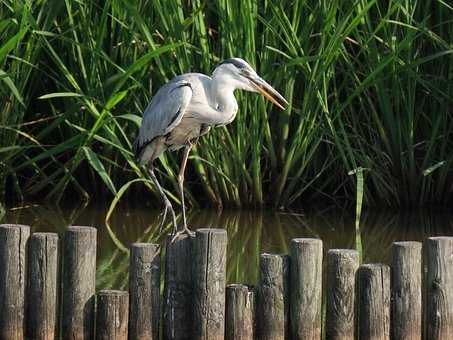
370 85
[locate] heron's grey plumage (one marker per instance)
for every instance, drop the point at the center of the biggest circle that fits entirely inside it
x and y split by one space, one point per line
180 111
188 106
163 113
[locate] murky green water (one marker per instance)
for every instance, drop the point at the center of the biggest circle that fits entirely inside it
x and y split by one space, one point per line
249 233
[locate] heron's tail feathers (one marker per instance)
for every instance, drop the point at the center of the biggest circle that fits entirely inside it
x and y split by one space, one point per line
147 152
138 150
135 149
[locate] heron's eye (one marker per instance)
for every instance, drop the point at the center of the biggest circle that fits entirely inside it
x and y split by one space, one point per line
244 72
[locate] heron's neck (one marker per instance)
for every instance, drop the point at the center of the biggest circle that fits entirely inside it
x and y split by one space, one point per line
222 95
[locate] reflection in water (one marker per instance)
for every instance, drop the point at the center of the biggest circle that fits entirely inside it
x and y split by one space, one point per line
250 233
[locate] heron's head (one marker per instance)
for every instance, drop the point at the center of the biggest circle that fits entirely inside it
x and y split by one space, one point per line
239 74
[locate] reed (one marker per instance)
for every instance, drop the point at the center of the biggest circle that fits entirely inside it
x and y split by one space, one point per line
370 85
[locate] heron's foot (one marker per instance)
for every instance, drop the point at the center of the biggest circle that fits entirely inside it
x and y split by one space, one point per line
188 231
184 231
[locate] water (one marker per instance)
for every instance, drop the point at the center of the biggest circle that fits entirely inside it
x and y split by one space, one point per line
249 233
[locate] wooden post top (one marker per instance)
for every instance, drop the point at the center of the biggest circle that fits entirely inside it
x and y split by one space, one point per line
81 228
210 231
14 226
238 286
373 266
44 235
407 244
306 240
115 292
440 238
343 251
273 255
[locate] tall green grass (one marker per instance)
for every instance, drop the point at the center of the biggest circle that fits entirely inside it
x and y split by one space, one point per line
370 85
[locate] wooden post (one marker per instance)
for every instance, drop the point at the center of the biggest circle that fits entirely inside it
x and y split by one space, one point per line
342 265
373 302
439 288
407 291
13 240
209 278
79 274
240 313
272 303
306 289
178 289
43 286
144 291
112 315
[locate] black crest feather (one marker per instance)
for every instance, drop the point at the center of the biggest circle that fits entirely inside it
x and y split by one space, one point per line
239 64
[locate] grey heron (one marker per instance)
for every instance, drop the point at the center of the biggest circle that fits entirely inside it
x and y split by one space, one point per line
186 108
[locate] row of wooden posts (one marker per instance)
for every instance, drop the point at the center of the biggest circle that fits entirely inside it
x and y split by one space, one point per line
412 299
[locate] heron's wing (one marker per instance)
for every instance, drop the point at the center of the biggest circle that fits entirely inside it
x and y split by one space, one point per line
164 112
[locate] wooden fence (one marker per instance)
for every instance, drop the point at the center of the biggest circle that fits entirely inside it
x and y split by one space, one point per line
47 291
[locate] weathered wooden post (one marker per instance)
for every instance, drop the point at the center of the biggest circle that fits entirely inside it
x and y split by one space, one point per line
209 278
407 291
306 288
144 291
13 244
240 313
272 303
439 288
342 265
79 274
112 315
373 302
178 289
43 286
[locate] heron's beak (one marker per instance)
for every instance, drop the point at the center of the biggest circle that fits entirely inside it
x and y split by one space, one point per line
268 91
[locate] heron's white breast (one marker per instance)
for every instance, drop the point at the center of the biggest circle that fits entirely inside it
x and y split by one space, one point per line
184 132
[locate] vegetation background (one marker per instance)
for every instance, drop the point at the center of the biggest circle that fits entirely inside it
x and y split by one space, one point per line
370 85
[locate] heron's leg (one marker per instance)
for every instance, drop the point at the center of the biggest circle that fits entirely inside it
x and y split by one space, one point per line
181 174
166 201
